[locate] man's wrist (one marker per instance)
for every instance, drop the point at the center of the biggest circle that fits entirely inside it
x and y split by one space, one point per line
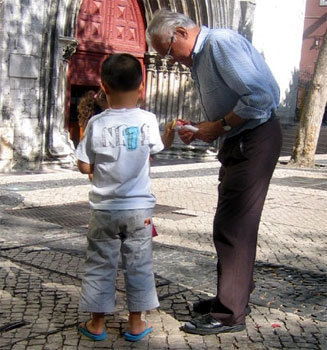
227 127
219 128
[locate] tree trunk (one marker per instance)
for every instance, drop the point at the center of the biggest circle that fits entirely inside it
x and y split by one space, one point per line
304 149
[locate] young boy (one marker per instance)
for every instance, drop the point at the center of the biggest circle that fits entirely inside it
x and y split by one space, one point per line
116 149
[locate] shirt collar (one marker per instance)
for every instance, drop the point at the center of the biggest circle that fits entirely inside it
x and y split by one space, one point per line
200 39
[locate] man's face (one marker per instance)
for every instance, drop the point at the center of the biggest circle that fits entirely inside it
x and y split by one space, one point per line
180 49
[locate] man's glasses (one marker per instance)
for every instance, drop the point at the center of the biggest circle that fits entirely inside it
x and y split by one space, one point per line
168 56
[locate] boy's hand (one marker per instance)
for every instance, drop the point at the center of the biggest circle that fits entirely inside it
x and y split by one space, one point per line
168 135
85 168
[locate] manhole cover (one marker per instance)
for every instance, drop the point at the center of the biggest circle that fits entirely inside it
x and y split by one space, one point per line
71 215
77 214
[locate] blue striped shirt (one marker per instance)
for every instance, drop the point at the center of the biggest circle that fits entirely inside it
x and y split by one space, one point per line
231 75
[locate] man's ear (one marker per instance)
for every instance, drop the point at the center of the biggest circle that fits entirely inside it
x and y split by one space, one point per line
181 32
105 87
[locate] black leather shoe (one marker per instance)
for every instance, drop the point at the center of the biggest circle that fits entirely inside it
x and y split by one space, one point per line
204 307
206 324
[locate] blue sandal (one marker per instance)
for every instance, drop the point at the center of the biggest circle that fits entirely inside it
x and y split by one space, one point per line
136 337
97 337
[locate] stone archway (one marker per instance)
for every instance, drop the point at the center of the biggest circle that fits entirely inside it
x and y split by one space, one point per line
102 28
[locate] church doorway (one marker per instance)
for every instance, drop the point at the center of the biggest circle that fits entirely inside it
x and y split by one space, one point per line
103 28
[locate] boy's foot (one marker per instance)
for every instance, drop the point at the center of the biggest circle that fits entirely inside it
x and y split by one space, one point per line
83 328
138 336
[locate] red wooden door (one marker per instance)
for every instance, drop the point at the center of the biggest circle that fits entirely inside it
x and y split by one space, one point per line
103 27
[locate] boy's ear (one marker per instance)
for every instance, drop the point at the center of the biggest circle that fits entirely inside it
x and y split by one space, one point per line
141 91
105 87
141 88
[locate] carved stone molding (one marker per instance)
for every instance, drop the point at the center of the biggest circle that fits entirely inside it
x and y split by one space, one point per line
68 46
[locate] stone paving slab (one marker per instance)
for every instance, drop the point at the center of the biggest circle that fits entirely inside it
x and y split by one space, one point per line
41 263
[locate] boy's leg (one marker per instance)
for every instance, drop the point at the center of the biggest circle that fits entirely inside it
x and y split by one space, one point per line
138 267
96 324
98 287
135 323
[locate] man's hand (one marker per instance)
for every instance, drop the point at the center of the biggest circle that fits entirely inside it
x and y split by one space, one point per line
186 136
209 131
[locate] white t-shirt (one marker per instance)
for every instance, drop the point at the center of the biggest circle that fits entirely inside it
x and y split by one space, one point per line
119 142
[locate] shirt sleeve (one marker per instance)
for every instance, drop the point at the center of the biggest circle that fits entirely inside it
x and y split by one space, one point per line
244 71
84 149
155 143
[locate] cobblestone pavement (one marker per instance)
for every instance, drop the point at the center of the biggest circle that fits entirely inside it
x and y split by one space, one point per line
43 220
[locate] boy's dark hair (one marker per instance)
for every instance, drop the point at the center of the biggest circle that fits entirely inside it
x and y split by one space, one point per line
122 72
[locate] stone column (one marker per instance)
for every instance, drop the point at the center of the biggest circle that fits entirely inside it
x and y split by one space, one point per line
60 145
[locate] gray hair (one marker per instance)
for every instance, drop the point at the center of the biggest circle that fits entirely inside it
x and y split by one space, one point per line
164 23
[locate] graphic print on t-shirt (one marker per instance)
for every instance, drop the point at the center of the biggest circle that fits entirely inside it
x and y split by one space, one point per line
127 136
131 137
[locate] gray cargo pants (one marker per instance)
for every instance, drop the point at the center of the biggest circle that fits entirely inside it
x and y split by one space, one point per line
111 233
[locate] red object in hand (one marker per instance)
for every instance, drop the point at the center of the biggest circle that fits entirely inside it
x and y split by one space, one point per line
179 124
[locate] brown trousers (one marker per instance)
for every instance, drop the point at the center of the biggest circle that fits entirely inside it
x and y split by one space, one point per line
248 161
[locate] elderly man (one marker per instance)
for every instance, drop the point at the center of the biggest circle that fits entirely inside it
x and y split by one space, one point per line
238 95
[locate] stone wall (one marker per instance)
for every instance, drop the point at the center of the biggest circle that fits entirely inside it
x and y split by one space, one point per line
33 71
21 56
